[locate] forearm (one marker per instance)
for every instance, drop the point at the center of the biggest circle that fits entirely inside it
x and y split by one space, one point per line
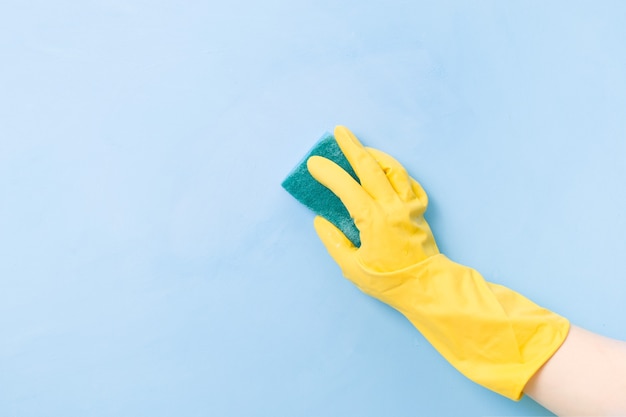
585 377
493 335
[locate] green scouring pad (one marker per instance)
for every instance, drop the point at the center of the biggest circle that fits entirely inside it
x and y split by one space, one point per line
300 184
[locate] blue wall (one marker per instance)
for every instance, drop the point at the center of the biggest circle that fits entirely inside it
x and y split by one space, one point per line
151 263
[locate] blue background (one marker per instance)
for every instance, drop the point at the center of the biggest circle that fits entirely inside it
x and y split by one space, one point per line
151 263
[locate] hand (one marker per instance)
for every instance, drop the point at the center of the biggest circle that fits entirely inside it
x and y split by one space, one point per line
491 334
387 207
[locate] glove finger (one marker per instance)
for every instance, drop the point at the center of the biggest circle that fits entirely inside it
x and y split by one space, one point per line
337 180
373 179
337 244
405 186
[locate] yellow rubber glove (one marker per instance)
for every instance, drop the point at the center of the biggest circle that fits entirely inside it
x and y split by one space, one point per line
491 334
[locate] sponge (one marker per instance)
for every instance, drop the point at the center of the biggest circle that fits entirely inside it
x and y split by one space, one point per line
300 184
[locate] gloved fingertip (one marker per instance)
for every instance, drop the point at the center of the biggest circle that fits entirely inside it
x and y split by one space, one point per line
342 132
315 165
333 238
324 227
312 161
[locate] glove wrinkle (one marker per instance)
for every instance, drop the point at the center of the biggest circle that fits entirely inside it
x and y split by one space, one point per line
490 333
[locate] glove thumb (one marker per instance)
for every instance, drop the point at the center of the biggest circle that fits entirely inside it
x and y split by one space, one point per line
338 245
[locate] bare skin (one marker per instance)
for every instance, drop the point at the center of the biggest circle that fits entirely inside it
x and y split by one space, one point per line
585 377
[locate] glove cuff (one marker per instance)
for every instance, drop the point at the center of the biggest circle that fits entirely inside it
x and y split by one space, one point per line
492 334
